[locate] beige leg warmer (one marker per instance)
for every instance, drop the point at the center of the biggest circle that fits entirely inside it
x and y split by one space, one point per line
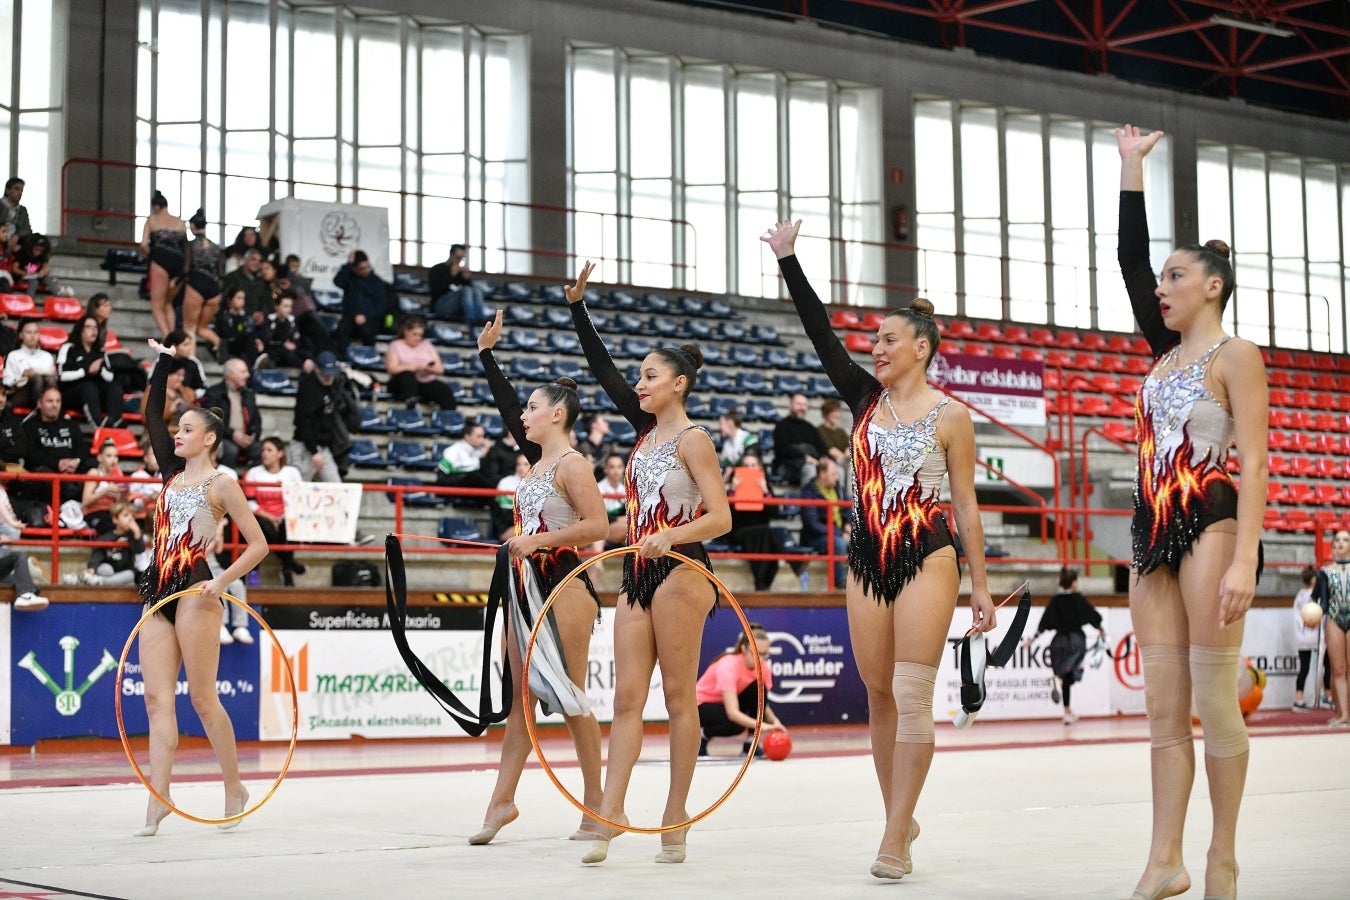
1214 674
913 687
1167 694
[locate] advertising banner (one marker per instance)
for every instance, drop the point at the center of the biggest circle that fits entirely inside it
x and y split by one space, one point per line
323 234
321 512
5 610
1010 390
62 667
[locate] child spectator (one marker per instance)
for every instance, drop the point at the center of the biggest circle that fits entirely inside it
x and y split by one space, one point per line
234 326
278 340
116 565
11 529
100 496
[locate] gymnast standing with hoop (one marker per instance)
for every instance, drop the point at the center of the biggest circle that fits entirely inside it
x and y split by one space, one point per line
186 632
903 573
557 507
672 472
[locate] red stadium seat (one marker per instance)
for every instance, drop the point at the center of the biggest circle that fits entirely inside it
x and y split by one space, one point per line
123 438
1324 362
1120 343
1273 520
1304 443
1119 431
1051 380
1091 406
1325 381
1141 347
1043 337
1302 400
1327 468
1303 380
1005 351
1283 358
1302 420
1300 493
111 342
1121 408
1327 401
1304 466
1058 358
1110 362
1093 341
1276 492
1139 365
62 309
1279 378
1278 465
960 328
1279 440
872 322
1280 397
1016 334
1105 383
845 319
1086 361
1068 340
1032 354
946 347
1280 418
19 306
989 332
975 348
1345 495
1328 423
1304 360
51 337
858 342
1128 384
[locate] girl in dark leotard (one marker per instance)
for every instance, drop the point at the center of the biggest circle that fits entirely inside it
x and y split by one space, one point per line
164 244
201 296
672 473
1196 539
557 507
903 575
186 632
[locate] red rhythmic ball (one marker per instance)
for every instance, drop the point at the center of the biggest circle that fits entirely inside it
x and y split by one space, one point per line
777 745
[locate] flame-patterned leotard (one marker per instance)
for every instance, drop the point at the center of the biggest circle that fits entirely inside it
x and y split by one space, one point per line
660 490
539 505
1183 486
185 521
1332 592
897 472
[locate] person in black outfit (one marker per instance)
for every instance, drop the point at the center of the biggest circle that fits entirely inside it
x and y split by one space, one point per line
365 300
54 445
234 327
13 442
325 412
815 519
243 421
751 523
1066 614
88 383
453 293
797 444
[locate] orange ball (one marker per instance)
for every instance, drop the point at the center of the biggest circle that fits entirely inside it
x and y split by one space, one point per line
1249 703
777 745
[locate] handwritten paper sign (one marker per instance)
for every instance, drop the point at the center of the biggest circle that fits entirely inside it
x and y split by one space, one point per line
321 512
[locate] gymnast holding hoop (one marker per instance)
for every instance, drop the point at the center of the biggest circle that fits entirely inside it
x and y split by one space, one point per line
903 572
672 471
186 632
558 507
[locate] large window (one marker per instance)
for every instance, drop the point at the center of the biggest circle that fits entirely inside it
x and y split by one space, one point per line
676 166
1279 213
270 99
1016 214
32 85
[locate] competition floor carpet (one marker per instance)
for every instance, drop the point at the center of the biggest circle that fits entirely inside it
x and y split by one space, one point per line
1026 810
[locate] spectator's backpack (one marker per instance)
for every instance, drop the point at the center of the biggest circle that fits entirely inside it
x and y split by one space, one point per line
355 573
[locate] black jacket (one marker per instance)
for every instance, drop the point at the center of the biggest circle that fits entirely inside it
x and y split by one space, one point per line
51 442
218 396
121 557
326 414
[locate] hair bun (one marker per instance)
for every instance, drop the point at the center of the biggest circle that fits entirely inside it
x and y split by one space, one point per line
218 413
921 306
1219 247
566 382
695 355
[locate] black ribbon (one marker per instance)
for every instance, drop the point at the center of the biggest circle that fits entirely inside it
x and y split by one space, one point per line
396 599
972 689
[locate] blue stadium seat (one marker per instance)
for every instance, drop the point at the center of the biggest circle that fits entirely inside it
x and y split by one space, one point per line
635 348
603 403
697 408
410 306
564 342
410 454
808 361
511 290
766 441
664 326
569 368
492 425
719 405
518 315
721 309
521 340
410 421
448 335
761 410
530 367
450 422
712 355
273 381
454 363
458 528
410 283
714 380
691 306
698 329
373 423
557 318
630 322
820 386
742 356
654 303
553 293
621 431
365 454
328 300
776 358
367 358
731 331
766 334
413 498
751 383
482 394
788 384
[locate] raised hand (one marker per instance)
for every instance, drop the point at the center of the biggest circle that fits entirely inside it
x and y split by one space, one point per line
1135 144
782 237
576 291
491 332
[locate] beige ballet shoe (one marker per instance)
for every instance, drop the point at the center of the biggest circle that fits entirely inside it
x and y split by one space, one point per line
901 865
673 853
149 829
1164 889
490 828
243 804
599 849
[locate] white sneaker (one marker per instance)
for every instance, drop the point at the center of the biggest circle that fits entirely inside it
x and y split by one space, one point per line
242 636
1070 718
71 578
225 636
30 602
90 578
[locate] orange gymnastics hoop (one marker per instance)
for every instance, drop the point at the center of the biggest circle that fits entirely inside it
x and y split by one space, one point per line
528 704
121 726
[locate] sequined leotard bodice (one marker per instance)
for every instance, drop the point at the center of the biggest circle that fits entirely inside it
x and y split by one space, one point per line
1332 592
540 507
185 525
661 492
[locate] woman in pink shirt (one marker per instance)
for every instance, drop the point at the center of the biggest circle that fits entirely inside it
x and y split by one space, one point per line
415 367
727 696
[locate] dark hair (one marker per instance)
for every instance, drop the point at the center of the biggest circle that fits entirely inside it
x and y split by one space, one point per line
175 337
77 329
108 442
238 246
214 420
757 630
829 406
94 301
616 455
686 360
359 256
156 200
412 322
919 315
292 256
13 181
1214 256
198 219
753 450
733 414
563 392
454 247
1067 577
277 442
1309 574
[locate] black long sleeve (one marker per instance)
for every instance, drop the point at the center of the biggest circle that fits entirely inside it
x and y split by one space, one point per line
155 427
1321 594
851 380
604 370
508 404
1135 268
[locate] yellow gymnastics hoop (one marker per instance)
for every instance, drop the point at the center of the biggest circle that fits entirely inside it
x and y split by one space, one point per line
121 726
528 703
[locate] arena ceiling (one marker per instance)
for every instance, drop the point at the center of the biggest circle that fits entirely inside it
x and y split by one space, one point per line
1287 54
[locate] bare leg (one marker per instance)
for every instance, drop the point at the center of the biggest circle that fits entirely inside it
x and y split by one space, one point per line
161 308
921 616
872 633
575 613
1160 621
515 750
204 320
192 308
679 609
1338 647
198 627
160 660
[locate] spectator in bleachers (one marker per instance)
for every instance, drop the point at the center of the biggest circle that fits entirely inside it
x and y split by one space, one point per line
257 292
797 444
453 293
305 309
326 410
365 300
752 519
735 439
247 239
816 519
125 366
15 567
178 397
9 246
234 326
99 496
32 266
415 367
201 296
185 348
88 383
832 434
263 485
29 370
100 306
503 515
14 213
13 443
11 526
500 459
54 444
164 244
594 443
243 422
461 464
114 565
613 491
279 340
